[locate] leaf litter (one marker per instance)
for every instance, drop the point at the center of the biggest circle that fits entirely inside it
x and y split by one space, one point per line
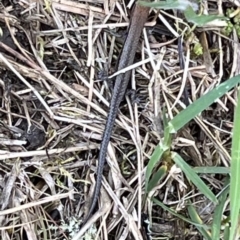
56 63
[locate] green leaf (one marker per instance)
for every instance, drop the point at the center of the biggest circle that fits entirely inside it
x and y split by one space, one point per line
196 180
200 20
156 178
216 225
235 173
169 4
167 137
226 233
212 170
155 158
178 215
201 104
195 217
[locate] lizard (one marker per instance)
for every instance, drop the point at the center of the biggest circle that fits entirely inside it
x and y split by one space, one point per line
137 20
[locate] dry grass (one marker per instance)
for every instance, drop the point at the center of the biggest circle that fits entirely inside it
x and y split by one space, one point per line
54 101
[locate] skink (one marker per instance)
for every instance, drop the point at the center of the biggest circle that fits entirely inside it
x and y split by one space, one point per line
138 18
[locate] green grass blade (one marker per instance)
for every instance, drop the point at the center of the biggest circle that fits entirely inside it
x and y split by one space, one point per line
235 173
216 225
195 217
167 136
156 178
226 233
200 20
212 170
167 4
178 215
201 104
196 180
155 158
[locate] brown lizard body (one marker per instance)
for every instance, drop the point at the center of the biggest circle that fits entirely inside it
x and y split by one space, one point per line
138 19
